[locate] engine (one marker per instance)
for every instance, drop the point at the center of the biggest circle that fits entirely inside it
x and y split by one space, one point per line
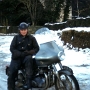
38 81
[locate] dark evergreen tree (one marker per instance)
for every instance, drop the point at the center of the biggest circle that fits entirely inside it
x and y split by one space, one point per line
52 10
66 10
8 10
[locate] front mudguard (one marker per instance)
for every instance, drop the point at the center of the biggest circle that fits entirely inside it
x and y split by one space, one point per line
66 70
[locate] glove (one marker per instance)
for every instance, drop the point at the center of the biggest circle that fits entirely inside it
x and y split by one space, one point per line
31 52
23 54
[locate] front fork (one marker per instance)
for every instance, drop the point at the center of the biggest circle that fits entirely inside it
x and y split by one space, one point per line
56 68
59 69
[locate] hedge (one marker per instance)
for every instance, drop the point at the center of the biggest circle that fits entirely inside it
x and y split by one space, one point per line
80 39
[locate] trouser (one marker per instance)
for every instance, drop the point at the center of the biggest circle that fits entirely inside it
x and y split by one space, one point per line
14 67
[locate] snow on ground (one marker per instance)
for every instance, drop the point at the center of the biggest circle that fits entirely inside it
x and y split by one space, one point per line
79 61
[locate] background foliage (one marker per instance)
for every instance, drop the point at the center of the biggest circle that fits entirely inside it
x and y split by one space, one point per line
12 12
32 11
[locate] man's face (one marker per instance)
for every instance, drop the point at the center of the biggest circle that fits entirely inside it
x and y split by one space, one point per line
23 32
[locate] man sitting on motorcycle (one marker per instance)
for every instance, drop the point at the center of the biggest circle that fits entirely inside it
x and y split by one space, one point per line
22 47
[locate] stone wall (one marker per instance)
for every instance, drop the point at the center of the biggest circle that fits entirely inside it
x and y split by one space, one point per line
14 29
79 22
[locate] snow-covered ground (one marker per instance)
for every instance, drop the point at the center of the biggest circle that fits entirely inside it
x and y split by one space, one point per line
79 61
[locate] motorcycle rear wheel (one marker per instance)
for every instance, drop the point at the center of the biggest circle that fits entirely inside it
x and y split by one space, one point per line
67 82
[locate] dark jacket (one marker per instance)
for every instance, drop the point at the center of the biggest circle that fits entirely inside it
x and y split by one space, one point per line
21 44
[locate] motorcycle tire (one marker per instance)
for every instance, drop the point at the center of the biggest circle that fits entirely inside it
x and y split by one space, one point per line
67 82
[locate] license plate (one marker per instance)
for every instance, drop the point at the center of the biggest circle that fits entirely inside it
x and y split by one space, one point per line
57 67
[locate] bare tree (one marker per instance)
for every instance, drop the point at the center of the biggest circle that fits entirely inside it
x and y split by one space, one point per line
81 7
78 9
31 6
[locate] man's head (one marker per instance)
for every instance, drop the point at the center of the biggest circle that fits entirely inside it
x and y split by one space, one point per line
23 28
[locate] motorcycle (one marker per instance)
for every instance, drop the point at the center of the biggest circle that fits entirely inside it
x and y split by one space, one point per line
48 70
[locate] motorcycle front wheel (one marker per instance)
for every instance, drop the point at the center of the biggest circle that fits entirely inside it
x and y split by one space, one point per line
66 82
